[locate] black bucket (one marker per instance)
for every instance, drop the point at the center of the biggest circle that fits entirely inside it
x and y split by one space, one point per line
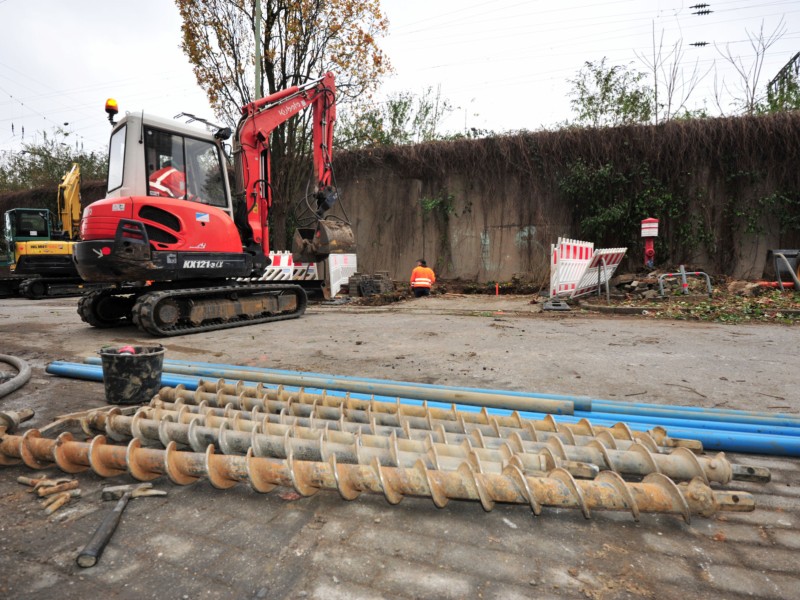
132 378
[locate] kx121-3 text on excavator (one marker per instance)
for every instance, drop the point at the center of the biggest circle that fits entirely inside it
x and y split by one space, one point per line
173 244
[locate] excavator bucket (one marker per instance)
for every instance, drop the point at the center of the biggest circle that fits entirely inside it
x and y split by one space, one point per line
329 237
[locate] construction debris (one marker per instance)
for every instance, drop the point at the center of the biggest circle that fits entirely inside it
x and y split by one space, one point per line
365 285
43 491
11 419
55 493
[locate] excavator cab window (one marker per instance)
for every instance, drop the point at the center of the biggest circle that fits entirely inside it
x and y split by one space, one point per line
7 241
184 168
31 224
205 172
116 158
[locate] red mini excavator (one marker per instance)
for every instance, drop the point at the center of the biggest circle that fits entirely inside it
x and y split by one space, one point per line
176 247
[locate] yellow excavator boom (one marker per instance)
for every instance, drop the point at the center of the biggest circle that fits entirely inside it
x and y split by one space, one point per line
69 202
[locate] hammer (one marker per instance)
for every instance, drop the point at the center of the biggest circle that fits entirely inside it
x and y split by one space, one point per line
89 556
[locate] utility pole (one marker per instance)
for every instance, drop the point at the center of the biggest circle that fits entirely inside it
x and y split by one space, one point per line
258 49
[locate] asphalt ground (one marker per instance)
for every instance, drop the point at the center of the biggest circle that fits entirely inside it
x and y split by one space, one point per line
200 542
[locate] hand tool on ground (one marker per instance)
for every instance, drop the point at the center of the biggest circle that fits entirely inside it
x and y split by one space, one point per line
89 556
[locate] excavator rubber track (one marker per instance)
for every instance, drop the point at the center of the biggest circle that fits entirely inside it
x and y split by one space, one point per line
9 286
36 288
109 307
176 312
169 312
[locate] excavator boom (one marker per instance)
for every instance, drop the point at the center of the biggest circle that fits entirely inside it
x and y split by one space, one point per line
69 202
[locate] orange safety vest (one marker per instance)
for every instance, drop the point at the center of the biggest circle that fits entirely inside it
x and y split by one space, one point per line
422 277
168 182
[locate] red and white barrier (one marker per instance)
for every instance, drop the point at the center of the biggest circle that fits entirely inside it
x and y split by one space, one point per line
576 268
341 267
596 276
281 267
568 262
284 268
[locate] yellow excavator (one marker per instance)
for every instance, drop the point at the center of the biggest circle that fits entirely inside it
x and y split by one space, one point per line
39 252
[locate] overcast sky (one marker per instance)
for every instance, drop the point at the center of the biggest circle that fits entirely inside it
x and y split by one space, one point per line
502 64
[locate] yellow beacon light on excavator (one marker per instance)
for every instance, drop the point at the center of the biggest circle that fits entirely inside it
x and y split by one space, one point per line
112 108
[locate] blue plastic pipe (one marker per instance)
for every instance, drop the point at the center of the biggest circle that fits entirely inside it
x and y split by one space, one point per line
582 403
427 391
579 402
95 373
730 441
670 416
190 382
476 398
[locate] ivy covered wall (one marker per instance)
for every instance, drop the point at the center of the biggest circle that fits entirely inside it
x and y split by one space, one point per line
725 190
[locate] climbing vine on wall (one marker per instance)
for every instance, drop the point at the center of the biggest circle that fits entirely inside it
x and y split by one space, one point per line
610 204
440 208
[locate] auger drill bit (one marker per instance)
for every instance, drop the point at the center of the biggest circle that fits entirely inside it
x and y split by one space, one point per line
518 439
608 491
415 428
324 406
235 435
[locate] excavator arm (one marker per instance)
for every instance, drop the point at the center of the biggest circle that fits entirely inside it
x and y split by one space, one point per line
251 156
69 203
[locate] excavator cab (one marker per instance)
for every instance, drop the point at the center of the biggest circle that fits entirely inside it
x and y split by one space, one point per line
23 225
150 156
167 214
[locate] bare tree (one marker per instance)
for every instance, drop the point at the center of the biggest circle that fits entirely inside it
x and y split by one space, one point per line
672 88
746 96
301 40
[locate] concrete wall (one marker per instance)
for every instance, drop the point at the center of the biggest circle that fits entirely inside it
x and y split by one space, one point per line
488 235
493 234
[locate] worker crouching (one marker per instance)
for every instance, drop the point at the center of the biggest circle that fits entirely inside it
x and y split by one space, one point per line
422 278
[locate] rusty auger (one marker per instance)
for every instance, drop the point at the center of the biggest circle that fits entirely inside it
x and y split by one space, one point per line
238 436
655 494
234 435
482 436
324 406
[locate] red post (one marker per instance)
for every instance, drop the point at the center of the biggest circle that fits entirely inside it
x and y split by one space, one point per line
649 232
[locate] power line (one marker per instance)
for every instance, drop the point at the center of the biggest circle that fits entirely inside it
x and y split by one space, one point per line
590 23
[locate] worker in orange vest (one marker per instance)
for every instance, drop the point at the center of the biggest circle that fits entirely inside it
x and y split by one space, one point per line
422 278
169 182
